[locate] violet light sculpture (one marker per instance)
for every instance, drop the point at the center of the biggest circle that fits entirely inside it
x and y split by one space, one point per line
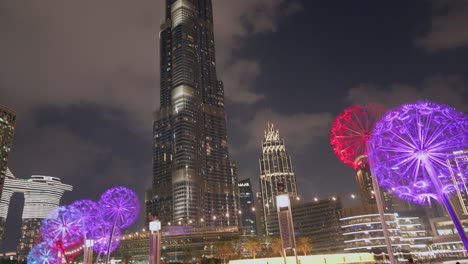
88 212
409 149
120 207
100 234
62 227
44 253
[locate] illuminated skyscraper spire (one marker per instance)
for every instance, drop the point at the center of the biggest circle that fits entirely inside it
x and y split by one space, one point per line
276 173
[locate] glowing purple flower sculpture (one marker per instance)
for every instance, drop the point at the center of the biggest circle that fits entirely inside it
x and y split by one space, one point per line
88 212
409 149
44 253
101 235
120 205
62 227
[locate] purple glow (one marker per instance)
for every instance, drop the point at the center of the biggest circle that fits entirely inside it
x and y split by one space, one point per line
44 253
120 205
88 213
101 234
410 146
62 226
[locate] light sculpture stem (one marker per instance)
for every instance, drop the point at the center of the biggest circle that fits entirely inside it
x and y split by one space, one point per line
110 241
448 205
378 199
63 253
98 257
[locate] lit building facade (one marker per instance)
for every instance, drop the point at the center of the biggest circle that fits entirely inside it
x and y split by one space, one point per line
362 231
7 130
246 214
446 242
458 165
319 220
187 244
194 180
42 194
276 175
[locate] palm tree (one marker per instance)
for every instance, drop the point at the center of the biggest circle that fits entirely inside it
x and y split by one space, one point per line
304 245
224 251
253 245
277 246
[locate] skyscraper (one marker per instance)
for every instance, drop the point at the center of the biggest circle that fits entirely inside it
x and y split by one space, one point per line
194 181
276 173
458 165
7 130
247 202
41 195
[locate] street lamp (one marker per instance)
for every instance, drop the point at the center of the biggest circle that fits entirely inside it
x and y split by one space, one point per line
155 242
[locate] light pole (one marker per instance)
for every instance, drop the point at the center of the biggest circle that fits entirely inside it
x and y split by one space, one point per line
88 252
155 242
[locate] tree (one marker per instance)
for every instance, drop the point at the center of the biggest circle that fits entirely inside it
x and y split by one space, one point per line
277 246
304 245
224 251
253 245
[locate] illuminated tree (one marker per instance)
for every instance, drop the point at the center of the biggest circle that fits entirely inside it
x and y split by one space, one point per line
44 253
409 149
304 245
253 245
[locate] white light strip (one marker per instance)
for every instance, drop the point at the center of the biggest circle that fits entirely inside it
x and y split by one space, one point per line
369 238
367 231
366 223
363 216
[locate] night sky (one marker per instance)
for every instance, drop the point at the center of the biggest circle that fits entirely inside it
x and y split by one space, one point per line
84 78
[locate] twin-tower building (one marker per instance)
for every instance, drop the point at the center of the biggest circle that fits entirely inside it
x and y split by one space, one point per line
41 193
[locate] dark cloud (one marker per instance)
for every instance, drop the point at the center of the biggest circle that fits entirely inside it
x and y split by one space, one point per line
444 89
448 26
84 78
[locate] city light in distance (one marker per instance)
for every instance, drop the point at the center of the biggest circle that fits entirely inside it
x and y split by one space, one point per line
315 199
353 196
253 209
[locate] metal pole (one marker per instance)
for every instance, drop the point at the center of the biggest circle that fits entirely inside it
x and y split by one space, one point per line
110 242
284 256
295 254
448 205
378 199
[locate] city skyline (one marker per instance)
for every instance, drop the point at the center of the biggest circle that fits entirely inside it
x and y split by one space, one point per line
86 91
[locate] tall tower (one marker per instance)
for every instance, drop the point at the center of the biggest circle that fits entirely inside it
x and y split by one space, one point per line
194 181
7 130
276 173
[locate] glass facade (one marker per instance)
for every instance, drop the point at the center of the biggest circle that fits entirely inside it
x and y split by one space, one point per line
364 233
247 202
7 130
194 180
